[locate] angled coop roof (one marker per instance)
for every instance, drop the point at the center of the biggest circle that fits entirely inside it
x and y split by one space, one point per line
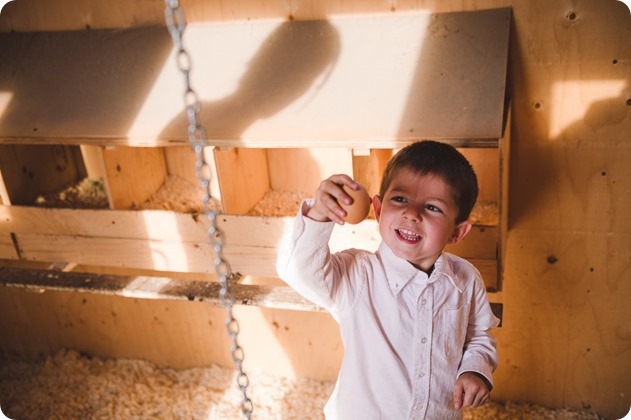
362 81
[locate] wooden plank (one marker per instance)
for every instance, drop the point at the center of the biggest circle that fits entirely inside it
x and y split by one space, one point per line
243 177
488 271
4 194
161 240
64 15
504 169
302 169
145 254
161 225
485 163
379 71
368 170
142 287
176 256
81 14
139 224
374 82
7 248
181 162
132 175
29 171
99 96
93 160
127 271
480 243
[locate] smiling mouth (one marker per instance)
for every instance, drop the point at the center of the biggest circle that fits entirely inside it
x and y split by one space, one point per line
408 235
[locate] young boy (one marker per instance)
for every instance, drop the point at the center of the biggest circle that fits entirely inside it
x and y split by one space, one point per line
414 319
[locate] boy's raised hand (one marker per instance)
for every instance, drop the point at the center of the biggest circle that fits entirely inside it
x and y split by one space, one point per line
328 196
470 391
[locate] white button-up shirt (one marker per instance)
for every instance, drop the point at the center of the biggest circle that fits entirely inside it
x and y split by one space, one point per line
407 336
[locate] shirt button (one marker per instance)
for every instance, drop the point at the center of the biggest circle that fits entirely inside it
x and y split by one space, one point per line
424 302
424 340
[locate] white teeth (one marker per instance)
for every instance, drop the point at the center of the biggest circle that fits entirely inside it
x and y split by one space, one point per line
409 235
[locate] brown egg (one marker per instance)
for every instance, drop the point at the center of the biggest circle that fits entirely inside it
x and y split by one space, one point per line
357 211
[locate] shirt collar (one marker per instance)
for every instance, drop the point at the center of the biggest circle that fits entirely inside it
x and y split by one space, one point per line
400 272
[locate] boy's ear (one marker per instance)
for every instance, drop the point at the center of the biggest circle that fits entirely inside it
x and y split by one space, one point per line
376 205
459 232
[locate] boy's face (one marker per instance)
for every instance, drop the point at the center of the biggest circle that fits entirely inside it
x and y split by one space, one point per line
417 217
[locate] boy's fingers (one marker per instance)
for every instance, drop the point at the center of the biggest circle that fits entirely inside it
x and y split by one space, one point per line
477 400
326 204
332 187
458 396
469 396
343 179
330 194
472 393
480 398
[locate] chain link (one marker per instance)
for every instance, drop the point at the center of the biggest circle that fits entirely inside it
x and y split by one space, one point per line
174 16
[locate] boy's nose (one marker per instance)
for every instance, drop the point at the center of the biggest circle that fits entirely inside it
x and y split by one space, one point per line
411 213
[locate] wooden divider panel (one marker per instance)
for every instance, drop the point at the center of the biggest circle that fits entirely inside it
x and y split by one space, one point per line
29 171
133 174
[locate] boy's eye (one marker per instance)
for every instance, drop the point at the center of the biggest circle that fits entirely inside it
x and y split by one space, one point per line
433 208
398 199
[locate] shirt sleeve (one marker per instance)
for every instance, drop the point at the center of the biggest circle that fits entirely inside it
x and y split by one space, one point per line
302 256
480 353
306 264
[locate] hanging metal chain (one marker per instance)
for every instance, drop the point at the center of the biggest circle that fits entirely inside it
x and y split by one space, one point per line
197 138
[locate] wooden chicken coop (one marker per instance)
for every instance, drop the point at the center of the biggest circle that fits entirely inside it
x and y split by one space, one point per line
102 230
98 176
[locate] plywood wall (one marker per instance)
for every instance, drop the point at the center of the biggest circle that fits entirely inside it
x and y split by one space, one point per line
566 339
566 335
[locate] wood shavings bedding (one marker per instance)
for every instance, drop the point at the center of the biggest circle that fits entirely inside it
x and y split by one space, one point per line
89 193
69 385
278 203
176 194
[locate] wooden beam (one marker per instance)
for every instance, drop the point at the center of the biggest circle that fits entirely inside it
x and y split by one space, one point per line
160 225
144 287
170 241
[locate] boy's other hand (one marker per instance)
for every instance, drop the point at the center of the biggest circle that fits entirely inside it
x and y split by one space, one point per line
470 391
328 196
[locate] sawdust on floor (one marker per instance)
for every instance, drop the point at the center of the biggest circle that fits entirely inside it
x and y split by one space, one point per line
71 385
